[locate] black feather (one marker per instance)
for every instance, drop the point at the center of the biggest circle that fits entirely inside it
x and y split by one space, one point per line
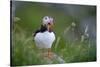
42 29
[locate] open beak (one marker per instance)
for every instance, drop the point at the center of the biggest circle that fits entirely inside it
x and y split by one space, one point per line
49 27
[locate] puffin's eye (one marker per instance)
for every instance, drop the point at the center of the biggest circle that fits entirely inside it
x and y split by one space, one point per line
45 18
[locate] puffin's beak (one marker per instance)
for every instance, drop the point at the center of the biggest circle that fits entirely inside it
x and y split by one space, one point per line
49 27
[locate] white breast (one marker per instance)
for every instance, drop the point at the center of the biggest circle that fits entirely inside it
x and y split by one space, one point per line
44 40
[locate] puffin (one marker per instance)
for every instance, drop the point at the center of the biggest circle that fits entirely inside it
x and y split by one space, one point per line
44 36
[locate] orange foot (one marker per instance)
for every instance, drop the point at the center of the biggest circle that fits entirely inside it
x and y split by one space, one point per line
49 53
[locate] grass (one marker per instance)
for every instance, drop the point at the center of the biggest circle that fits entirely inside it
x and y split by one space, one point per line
24 51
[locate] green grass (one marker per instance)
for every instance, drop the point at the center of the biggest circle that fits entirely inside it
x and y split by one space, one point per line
24 50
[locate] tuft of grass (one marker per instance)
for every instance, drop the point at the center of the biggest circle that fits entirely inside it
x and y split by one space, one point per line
24 51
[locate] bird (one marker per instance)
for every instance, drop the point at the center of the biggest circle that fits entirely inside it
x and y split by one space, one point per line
45 37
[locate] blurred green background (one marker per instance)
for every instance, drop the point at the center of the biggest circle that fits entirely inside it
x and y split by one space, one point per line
74 26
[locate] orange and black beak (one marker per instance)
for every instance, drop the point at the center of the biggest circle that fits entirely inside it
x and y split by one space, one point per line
50 26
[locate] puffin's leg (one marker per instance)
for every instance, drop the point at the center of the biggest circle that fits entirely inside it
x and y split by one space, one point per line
49 53
43 53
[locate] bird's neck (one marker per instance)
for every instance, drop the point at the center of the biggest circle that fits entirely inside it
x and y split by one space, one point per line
44 28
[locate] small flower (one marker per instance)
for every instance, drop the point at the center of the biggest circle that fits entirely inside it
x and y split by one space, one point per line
86 29
73 24
16 19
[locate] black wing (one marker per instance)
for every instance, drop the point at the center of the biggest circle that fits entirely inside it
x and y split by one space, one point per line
36 32
42 29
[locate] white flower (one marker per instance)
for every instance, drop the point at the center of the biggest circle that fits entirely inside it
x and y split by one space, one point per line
73 24
16 19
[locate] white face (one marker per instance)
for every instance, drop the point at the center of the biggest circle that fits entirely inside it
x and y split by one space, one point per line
47 20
